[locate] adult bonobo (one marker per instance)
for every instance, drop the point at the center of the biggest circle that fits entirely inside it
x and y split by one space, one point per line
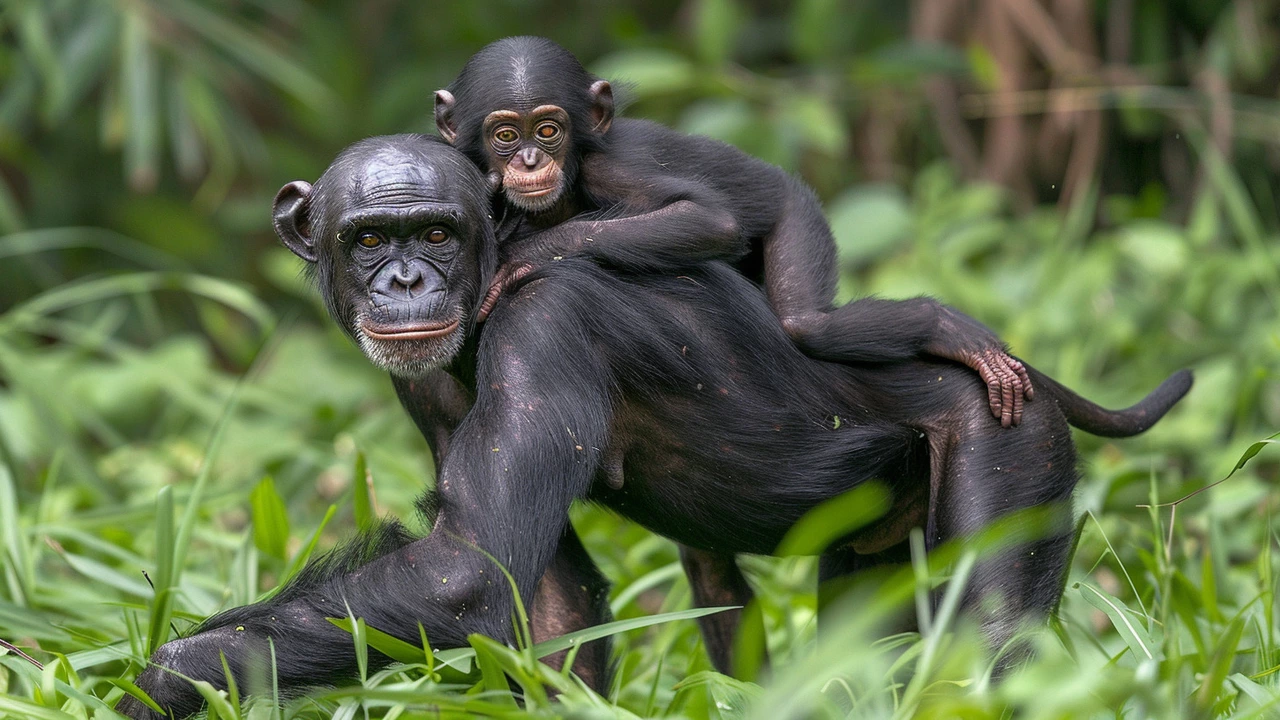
527 112
719 421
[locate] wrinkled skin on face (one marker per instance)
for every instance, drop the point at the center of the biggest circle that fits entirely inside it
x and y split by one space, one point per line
529 149
384 235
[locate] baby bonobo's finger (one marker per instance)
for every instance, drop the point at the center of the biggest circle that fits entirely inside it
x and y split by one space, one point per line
506 277
490 299
1007 414
1027 390
992 382
1019 390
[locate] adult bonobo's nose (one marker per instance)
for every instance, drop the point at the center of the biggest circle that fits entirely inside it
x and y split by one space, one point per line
529 156
407 279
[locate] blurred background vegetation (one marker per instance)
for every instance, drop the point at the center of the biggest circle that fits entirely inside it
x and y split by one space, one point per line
1095 179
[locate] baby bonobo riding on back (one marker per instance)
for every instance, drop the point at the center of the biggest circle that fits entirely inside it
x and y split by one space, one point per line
637 195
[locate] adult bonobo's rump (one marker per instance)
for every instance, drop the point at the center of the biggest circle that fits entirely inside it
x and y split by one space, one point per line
637 194
576 365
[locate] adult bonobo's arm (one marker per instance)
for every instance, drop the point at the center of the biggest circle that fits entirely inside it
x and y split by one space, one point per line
516 463
394 233
437 403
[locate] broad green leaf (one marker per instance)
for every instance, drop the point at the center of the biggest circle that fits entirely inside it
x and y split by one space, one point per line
869 222
651 72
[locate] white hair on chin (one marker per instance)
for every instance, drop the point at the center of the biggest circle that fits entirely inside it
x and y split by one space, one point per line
409 358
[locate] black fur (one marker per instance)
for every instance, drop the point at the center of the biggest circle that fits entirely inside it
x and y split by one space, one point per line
643 196
721 426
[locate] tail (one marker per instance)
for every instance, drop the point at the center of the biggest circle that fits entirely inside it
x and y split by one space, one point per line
1097 420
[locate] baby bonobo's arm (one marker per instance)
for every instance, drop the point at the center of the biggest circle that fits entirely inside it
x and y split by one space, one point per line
650 222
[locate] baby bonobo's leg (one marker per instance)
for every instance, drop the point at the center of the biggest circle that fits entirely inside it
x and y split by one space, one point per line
800 275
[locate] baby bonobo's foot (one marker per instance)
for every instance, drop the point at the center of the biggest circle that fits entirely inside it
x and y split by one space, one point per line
1007 382
507 275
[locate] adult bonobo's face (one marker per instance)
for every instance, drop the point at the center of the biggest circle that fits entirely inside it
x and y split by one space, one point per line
399 241
526 110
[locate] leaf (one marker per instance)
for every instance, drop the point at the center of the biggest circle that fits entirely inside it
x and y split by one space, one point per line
493 678
362 490
141 103
716 24
166 571
1211 684
835 519
868 222
652 72
1265 697
389 645
270 519
564 642
1134 634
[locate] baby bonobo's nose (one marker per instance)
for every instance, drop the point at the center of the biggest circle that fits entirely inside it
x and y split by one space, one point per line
529 156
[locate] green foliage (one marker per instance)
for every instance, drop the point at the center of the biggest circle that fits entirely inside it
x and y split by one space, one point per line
173 399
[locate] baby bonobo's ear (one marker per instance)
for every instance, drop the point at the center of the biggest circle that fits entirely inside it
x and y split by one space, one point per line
291 216
601 96
444 116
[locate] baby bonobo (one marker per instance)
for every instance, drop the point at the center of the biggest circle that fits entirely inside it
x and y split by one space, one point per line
638 195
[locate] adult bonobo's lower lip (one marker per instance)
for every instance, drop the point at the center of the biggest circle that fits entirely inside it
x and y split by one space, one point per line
409 349
417 331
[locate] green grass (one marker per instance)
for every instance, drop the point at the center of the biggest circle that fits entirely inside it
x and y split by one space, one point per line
156 420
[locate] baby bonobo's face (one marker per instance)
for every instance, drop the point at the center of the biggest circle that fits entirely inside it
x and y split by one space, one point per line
527 111
529 150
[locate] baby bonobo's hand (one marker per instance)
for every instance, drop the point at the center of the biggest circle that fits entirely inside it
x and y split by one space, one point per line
1007 383
965 340
509 274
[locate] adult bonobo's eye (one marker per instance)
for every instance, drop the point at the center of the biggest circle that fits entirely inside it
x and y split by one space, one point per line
369 239
548 131
506 135
435 236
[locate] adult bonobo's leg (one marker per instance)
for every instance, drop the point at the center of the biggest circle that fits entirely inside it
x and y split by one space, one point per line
573 595
716 581
981 475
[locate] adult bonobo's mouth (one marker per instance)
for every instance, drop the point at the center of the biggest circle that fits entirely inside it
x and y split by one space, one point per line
413 331
409 348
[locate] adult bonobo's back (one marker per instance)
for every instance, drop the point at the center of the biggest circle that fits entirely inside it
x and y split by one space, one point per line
639 195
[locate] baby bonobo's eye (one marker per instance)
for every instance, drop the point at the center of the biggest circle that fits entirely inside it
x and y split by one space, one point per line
548 131
369 239
436 236
506 135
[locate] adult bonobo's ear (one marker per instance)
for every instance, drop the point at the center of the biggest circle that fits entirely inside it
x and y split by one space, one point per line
291 216
601 96
444 116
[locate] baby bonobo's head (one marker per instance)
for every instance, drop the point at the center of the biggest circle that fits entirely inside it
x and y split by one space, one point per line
526 111
397 235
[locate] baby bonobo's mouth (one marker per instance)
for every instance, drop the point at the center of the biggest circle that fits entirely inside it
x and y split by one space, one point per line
410 331
536 183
